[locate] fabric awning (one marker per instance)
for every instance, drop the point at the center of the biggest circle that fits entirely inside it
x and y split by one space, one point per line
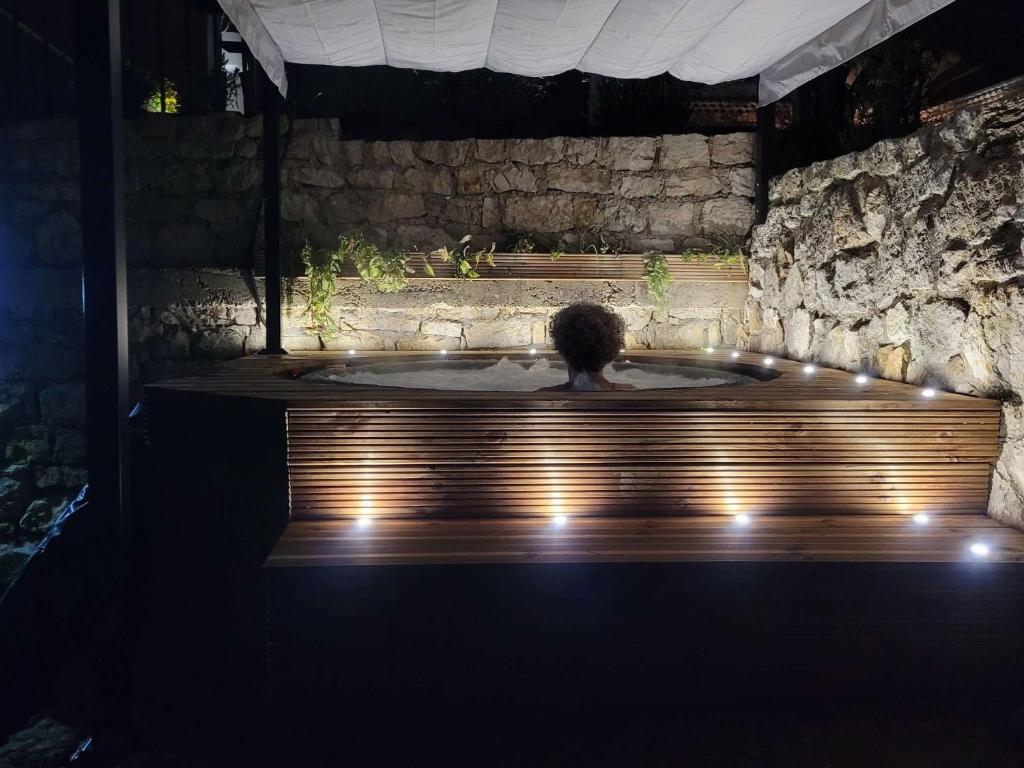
786 42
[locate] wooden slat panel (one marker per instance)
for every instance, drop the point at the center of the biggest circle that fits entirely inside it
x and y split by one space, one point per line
457 462
834 538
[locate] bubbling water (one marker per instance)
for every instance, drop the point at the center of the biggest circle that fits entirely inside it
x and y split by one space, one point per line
507 375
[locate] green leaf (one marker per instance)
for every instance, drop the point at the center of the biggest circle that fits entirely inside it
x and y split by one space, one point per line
428 268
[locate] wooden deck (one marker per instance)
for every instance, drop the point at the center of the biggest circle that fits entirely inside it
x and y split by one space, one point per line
828 469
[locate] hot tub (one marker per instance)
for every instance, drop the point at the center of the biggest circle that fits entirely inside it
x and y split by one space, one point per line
726 436
530 374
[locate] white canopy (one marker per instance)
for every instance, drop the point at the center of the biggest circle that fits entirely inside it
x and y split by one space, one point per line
786 42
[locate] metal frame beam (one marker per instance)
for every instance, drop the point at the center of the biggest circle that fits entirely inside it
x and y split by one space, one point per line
272 212
104 281
765 147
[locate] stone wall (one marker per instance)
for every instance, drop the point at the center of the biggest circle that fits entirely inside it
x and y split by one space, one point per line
192 194
664 193
906 260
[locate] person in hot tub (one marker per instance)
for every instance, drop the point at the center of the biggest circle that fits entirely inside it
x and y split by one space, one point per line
588 337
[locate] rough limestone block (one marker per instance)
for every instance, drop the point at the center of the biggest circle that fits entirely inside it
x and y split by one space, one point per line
539 213
470 181
673 219
732 148
29 444
685 151
569 179
630 153
63 404
693 183
536 151
512 178
492 334
731 215
401 153
451 153
491 150
394 205
639 186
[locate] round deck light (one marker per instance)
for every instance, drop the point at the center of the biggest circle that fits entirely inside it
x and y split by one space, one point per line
443 352
710 350
921 519
809 369
742 519
734 355
861 379
622 351
351 351
559 521
769 361
533 351
927 392
980 549
364 521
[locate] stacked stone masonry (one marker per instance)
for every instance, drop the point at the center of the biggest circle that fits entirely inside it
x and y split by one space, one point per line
906 261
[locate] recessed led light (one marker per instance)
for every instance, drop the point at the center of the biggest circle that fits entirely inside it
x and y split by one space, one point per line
861 379
921 519
444 351
533 351
364 521
980 549
769 361
927 392
559 520
622 351
735 354
742 519
351 351
711 349
809 369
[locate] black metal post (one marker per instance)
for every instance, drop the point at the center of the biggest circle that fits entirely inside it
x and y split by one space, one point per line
765 145
272 213
104 284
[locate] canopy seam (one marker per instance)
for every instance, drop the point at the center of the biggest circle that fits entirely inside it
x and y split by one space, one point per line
706 35
316 29
490 35
599 33
380 30
661 34
830 26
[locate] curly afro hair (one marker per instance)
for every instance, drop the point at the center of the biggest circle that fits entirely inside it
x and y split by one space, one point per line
587 336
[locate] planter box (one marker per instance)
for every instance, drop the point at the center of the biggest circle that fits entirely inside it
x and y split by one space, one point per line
581 266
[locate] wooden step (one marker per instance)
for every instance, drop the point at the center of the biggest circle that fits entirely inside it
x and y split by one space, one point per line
833 538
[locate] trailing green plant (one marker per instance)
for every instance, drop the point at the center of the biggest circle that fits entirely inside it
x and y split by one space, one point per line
322 267
464 260
556 255
521 244
289 293
590 239
724 251
387 270
657 277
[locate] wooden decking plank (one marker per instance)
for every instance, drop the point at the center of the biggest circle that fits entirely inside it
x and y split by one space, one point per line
850 538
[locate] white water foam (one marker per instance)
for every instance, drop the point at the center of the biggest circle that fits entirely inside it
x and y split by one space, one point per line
506 375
